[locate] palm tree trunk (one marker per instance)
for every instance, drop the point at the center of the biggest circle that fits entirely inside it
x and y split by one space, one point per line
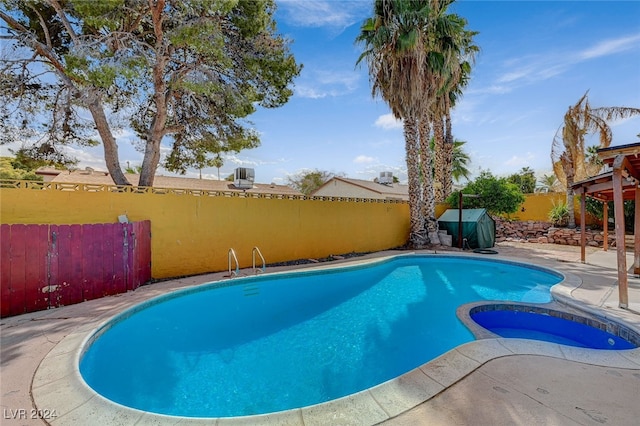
416 237
570 174
440 162
426 172
447 183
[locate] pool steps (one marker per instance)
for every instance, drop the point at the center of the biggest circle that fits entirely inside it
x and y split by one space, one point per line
231 256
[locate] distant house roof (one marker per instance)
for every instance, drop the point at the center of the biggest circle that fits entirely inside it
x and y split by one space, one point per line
103 178
379 190
48 173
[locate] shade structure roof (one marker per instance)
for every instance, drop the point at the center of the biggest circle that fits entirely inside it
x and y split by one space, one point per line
620 183
600 187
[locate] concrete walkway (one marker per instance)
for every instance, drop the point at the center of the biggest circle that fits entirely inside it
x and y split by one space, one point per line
512 389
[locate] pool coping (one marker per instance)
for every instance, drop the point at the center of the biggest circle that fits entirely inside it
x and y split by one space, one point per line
57 381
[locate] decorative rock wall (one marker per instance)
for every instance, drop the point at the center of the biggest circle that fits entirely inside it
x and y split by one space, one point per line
544 232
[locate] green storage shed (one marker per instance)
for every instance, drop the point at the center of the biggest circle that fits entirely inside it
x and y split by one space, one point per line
478 227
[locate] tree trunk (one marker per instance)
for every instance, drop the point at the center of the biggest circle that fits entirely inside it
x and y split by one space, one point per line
149 162
157 129
426 172
439 163
570 173
447 178
108 142
416 238
572 216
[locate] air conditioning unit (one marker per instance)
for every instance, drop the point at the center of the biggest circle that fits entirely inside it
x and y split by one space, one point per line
243 178
386 178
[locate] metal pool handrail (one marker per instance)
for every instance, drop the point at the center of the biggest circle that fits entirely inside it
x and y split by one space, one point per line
237 271
253 257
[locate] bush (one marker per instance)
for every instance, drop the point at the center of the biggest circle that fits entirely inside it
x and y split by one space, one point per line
559 214
497 195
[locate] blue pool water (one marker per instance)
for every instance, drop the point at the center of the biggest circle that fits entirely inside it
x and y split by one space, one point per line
529 325
273 343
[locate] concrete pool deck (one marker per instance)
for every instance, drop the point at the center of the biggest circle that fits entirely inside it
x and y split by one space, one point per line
497 381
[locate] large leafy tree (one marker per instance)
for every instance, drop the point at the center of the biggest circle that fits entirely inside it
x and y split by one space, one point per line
568 154
190 71
497 195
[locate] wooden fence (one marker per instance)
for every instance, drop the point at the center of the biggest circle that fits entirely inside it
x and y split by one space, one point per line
47 266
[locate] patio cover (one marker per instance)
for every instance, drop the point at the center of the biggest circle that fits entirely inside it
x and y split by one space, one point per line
617 185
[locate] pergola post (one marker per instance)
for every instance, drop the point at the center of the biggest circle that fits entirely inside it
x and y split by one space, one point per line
618 210
583 234
605 226
636 234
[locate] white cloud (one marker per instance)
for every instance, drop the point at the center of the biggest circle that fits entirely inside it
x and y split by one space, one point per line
371 172
319 84
534 68
513 76
520 161
87 158
309 92
323 13
610 47
364 159
388 122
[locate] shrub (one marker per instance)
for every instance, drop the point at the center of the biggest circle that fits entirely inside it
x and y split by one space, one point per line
559 214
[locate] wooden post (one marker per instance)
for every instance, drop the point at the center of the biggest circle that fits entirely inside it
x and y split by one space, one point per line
618 210
583 236
605 226
636 234
460 219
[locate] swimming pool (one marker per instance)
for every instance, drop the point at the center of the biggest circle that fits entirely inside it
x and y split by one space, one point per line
259 345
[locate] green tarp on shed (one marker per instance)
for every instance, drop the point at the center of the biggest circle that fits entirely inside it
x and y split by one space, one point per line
477 227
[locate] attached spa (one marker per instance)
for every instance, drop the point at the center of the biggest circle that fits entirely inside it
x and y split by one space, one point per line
547 323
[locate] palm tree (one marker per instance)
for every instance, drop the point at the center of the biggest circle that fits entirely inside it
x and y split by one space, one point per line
548 183
568 150
394 49
217 162
460 162
456 45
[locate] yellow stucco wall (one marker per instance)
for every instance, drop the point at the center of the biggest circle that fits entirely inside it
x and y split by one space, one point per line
192 234
537 206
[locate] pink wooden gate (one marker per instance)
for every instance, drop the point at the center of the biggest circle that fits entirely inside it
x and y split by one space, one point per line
47 266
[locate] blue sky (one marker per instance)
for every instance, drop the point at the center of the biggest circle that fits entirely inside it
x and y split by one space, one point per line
537 58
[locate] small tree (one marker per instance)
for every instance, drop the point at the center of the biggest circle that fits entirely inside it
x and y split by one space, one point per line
497 195
525 179
308 181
